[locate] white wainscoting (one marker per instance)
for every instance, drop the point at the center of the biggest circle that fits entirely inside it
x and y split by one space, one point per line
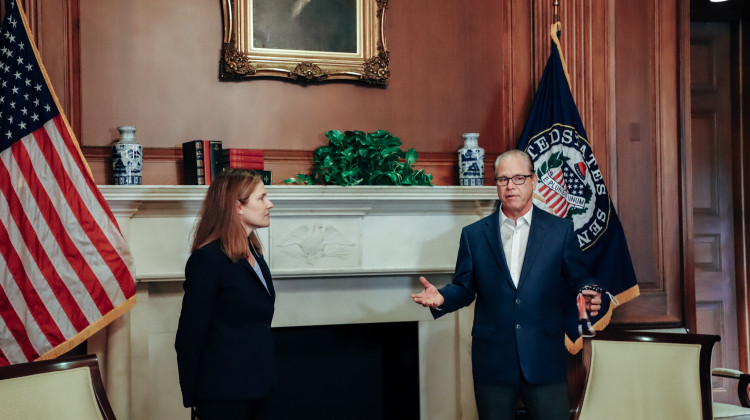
338 255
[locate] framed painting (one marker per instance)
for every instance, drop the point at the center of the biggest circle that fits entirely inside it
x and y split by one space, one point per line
305 40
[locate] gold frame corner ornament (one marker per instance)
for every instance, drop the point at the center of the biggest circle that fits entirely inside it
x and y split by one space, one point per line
240 60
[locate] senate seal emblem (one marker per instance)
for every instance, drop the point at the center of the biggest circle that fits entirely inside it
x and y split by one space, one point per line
570 183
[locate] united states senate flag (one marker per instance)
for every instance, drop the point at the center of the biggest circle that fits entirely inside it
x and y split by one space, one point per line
571 185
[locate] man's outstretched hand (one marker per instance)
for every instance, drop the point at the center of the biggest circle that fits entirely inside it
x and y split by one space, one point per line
429 297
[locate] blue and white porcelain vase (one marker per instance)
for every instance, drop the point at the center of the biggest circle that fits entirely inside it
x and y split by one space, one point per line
127 158
471 161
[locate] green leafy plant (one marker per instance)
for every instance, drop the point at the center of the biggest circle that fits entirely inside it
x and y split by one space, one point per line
359 158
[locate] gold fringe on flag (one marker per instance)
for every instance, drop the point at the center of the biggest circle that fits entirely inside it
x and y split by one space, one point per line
623 297
87 332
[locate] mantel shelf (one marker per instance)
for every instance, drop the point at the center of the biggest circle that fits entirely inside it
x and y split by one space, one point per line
304 192
368 230
292 200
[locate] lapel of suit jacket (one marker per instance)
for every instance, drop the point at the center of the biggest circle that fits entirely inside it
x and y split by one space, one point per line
537 231
266 275
492 234
263 269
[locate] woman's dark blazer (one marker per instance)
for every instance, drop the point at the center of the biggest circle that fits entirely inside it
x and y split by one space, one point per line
224 344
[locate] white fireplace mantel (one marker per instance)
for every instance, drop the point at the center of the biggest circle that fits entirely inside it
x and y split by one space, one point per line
338 255
361 230
150 200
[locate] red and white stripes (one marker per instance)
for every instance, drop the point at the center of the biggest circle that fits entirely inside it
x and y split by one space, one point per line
555 200
64 264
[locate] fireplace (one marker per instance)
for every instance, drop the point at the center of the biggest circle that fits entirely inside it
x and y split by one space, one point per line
363 371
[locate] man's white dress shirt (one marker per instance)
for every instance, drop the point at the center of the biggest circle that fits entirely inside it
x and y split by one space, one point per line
514 237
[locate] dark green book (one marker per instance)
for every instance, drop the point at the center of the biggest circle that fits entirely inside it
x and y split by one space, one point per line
265 176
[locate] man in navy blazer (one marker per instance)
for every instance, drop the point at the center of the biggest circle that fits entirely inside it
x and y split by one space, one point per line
521 264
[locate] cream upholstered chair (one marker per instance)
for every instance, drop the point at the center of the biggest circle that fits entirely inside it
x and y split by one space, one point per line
645 376
729 411
60 389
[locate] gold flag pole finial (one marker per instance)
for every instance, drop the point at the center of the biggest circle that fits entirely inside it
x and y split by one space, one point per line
556 3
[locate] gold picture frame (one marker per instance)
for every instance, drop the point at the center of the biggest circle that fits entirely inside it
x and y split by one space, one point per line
305 40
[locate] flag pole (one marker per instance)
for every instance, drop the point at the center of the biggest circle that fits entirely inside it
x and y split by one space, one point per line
554 29
556 3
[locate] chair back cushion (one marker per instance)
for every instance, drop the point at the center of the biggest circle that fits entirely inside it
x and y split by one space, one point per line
60 395
643 380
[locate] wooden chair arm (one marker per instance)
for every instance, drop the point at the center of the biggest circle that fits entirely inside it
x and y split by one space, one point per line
742 384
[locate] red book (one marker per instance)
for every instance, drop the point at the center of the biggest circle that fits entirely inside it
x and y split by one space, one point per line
242 152
211 155
245 165
207 160
247 159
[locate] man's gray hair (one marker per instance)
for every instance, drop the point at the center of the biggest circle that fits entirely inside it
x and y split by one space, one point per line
515 153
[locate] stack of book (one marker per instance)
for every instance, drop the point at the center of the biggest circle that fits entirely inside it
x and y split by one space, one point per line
243 158
246 159
202 161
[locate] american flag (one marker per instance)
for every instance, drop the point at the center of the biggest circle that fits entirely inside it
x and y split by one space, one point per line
65 268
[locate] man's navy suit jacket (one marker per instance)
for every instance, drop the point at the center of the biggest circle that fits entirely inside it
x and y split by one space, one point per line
224 343
517 330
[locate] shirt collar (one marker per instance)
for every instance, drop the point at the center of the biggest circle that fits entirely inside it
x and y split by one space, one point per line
526 217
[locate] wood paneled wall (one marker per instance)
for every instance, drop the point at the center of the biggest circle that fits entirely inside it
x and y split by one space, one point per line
647 153
55 26
625 80
588 42
454 69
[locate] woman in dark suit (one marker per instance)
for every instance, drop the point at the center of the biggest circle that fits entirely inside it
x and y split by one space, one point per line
225 354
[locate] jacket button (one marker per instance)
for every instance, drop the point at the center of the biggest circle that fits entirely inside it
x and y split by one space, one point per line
518 326
267 326
518 301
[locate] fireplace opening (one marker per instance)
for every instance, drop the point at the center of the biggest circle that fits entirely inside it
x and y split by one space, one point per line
355 371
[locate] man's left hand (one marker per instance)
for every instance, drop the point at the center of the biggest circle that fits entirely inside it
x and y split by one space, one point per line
593 301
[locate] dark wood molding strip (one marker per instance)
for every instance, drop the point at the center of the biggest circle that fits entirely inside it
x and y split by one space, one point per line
165 154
